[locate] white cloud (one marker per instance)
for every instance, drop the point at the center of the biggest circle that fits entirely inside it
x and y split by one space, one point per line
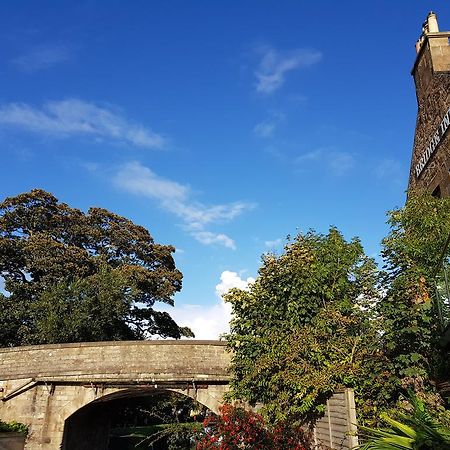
209 322
273 244
75 117
138 179
266 128
389 168
41 57
197 215
177 199
341 162
274 66
309 156
338 162
90 166
207 238
229 280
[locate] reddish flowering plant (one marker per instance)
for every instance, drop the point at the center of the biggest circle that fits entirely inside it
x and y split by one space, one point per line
286 437
236 429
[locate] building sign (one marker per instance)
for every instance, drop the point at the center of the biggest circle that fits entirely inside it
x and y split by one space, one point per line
433 144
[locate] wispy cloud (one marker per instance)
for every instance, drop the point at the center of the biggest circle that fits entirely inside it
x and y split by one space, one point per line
177 199
389 168
266 128
273 244
313 155
341 162
75 117
274 65
338 162
41 57
208 238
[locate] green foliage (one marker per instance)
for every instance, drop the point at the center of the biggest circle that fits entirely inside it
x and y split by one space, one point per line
416 429
162 408
304 328
412 252
321 316
13 427
168 436
161 421
91 308
73 276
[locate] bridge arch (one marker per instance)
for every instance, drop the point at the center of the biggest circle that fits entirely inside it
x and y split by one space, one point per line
89 427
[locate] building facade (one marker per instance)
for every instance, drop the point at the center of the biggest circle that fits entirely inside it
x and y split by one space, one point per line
430 165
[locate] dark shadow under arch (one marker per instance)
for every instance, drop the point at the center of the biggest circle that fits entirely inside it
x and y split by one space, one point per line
89 427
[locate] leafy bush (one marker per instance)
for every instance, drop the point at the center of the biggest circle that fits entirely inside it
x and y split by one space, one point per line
13 427
237 428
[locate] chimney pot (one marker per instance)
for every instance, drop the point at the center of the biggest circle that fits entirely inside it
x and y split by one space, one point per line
432 22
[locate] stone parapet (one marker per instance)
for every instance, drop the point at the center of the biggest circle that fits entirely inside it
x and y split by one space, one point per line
130 361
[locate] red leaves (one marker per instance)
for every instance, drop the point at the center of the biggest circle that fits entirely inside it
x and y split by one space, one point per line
237 428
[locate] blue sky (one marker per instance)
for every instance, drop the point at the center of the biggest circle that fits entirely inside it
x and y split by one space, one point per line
220 126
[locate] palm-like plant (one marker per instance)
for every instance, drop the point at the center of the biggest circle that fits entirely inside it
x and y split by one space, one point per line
417 430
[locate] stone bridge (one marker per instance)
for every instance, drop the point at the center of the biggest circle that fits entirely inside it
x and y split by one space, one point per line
65 392
57 389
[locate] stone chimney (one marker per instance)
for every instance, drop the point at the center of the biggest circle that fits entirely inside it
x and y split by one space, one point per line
429 26
433 54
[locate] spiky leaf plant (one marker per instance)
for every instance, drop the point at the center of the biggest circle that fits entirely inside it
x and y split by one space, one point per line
417 430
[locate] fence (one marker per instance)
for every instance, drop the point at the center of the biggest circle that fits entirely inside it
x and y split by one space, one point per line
337 428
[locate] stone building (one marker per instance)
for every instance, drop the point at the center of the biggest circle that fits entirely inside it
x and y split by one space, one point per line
430 165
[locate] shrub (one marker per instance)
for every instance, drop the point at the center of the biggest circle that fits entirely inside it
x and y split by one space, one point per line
236 428
13 427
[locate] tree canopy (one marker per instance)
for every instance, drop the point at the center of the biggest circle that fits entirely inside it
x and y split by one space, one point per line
322 316
301 329
75 276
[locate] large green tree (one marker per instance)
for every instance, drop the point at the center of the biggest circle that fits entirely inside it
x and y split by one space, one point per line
75 276
304 328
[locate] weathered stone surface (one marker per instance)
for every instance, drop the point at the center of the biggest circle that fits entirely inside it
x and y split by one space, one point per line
432 79
12 441
115 361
